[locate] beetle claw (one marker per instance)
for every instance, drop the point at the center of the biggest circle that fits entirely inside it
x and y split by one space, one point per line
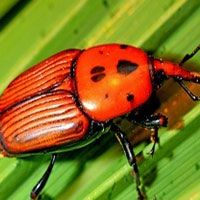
151 152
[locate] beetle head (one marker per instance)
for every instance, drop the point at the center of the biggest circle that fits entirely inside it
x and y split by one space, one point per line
166 69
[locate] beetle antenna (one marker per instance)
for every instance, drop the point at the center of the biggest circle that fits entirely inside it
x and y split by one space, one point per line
180 82
42 182
189 56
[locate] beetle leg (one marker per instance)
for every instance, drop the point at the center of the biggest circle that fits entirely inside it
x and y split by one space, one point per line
128 150
191 95
153 122
180 81
42 182
154 140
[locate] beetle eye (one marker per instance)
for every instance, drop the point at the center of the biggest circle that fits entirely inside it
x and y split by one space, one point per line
125 67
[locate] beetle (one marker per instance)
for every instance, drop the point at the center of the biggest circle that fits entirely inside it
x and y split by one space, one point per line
61 103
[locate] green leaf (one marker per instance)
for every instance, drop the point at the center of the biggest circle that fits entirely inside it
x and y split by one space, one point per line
169 29
6 6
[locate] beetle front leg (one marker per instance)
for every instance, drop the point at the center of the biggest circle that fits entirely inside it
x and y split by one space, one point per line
128 150
42 182
153 122
186 89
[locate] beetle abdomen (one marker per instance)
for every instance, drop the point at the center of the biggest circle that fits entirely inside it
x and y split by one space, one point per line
42 122
46 75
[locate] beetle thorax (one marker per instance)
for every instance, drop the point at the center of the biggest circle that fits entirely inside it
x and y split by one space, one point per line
112 80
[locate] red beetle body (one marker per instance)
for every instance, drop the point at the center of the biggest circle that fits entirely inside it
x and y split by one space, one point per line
54 105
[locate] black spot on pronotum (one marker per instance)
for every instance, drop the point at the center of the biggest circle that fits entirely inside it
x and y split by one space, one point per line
125 67
97 73
130 97
98 77
97 69
123 46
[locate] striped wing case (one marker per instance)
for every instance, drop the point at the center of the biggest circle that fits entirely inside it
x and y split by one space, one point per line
38 110
42 122
40 78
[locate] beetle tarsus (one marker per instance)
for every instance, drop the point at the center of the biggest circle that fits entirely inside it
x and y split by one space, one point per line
42 182
155 140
